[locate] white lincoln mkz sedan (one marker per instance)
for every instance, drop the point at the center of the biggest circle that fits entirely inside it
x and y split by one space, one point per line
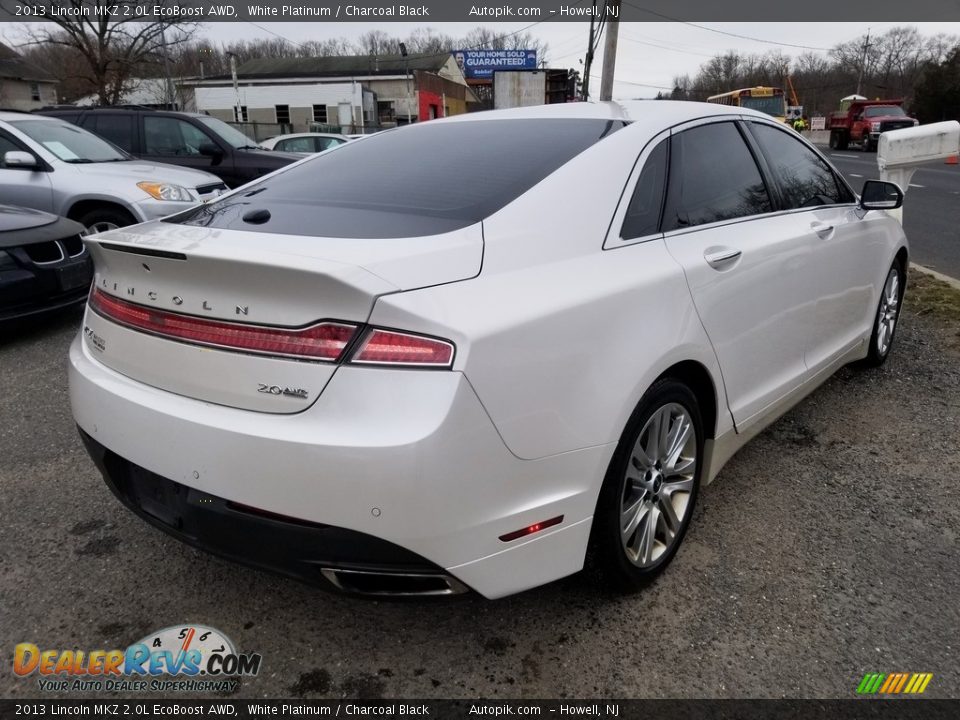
455 355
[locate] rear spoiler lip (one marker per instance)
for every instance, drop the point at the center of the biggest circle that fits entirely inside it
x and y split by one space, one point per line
147 252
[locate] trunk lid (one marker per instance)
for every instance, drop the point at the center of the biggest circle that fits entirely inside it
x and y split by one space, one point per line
255 279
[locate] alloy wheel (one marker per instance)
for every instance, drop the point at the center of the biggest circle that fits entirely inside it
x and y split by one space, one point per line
658 486
101 227
888 311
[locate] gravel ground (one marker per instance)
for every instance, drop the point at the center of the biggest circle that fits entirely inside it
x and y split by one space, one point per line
826 549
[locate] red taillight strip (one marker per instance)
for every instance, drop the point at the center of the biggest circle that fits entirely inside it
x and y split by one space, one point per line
324 341
389 347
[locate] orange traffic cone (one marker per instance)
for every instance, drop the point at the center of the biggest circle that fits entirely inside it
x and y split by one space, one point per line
952 160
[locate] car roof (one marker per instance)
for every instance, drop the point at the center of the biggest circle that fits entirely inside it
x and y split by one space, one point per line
664 112
306 134
11 115
55 112
646 117
631 110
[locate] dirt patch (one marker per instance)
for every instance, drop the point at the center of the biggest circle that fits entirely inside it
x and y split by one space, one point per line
927 296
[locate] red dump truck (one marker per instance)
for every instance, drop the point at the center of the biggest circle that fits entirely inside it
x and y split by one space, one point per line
861 121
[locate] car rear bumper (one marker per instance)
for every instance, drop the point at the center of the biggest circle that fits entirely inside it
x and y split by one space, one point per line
312 552
408 459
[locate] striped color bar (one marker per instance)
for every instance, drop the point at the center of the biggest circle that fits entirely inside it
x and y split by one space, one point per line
894 683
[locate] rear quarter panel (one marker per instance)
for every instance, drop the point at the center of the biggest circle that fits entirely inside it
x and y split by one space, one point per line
559 337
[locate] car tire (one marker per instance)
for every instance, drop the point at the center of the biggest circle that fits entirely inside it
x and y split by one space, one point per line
650 490
887 317
104 219
842 141
833 139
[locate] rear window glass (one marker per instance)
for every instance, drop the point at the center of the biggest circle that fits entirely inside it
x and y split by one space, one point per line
422 180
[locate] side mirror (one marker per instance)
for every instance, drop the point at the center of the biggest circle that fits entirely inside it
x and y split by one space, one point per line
20 159
879 195
211 150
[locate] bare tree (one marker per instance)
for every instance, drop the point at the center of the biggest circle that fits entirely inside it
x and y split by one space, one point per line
483 38
893 64
113 48
427 41
377 42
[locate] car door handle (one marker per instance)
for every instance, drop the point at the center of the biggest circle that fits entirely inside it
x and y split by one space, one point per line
719 257
821 229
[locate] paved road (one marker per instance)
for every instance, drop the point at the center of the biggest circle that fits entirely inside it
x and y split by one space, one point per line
826 549
931 211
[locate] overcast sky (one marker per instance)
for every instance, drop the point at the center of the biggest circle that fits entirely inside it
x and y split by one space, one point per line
648 57
649 54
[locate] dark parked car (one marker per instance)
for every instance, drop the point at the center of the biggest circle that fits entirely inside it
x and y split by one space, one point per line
44 265
191 140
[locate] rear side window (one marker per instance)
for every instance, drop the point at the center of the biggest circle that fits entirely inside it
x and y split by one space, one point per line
66 117
324 143
643 213
713 177
172 136
301 144
421 180
804 179
118 129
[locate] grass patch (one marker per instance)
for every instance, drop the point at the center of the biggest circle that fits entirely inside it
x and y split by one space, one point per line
928 296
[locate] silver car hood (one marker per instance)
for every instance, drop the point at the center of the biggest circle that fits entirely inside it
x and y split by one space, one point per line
139 171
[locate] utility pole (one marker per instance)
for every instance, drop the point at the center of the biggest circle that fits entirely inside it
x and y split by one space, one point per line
612 23
168 85
588 63
863 60
406 72
237 111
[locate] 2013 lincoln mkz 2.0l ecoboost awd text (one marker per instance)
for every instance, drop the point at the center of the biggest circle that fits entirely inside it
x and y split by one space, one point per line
391 369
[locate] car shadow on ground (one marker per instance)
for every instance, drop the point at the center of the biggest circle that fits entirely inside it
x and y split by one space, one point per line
32 329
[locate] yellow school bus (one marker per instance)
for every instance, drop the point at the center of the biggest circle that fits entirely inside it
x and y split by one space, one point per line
769 100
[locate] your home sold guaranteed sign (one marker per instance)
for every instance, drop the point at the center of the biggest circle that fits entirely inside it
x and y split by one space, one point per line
182 658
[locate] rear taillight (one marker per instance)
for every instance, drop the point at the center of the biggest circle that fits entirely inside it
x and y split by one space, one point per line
324 341
388 347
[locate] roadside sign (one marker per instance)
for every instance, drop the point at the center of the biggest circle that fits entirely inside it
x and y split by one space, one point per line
481 64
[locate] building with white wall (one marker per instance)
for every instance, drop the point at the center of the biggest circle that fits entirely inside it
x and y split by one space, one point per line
353 92
346 104
24 86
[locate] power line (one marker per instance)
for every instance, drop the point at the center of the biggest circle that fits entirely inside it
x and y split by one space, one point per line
638 84
664 47
724 32
267 30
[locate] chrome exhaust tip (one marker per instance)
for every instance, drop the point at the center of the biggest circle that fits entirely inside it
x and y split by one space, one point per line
393 584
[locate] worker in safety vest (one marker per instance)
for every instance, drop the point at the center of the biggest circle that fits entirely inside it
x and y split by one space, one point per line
798 124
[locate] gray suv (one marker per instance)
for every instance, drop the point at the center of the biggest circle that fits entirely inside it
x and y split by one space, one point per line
51 165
